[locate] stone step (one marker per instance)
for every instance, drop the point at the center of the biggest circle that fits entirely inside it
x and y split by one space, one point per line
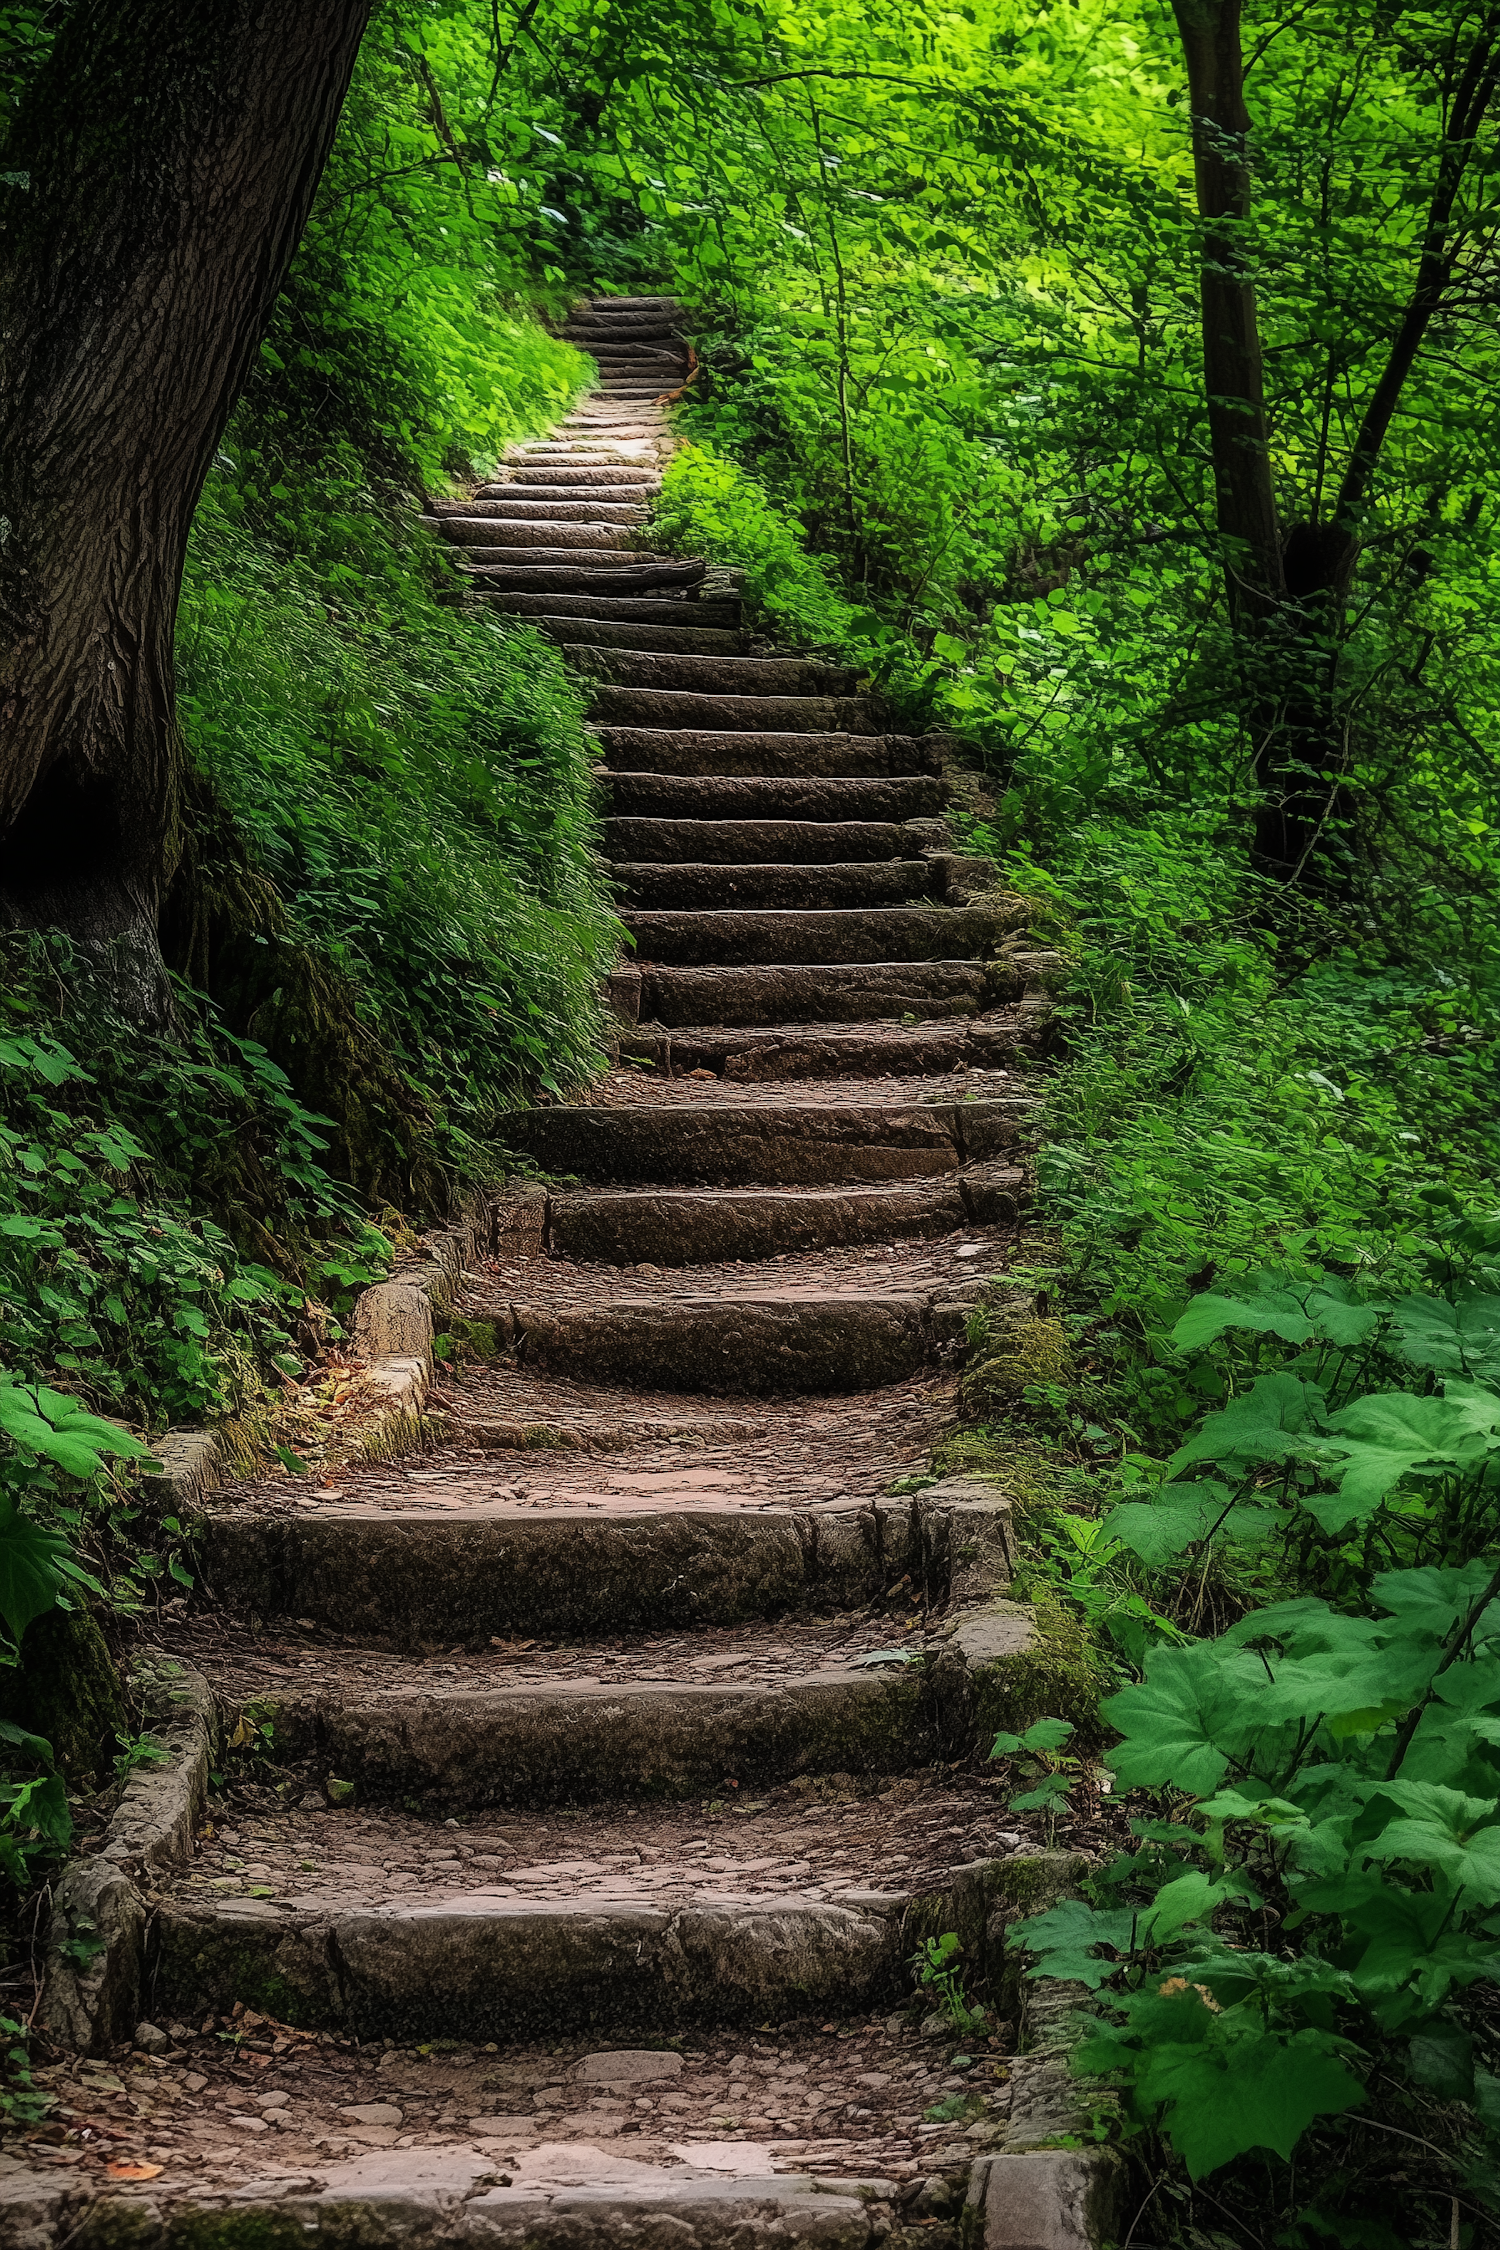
727 676
699 886
790 1144
684 1226
635 476
545 497
479 1563
524 508
630 1719
627 609
546 1940
792 1052
790 797
752 754
808 935
551 543
751 1346
801 993
683 640
807 714
738 843
585 574
635 328
482 535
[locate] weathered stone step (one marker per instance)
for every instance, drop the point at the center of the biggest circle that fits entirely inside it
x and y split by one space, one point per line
636 328
732 676
749 1055
800 1144
739 843
551 543
635 475
524 508
683 640
537 1741
724 797
545 1940
626 609
684 1226
481 535
546 497
853 992
585 574
807 935
805 714
488 1567
698 886
751 754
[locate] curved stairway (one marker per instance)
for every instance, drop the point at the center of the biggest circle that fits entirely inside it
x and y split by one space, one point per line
646 1713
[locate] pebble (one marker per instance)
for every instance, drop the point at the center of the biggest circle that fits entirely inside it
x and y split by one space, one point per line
373 2113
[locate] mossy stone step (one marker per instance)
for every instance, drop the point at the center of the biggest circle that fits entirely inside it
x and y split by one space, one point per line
582 576
684 639
627 609
737 676
787 1050
801 993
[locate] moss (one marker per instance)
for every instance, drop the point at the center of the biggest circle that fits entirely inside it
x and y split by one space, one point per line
1012 1461
1058 1677
68 1690
481 1339
1011 1359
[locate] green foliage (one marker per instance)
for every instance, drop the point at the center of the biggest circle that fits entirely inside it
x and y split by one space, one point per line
938 1971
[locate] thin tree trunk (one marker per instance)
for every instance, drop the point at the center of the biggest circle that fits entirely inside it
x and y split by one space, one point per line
160 171
1233 367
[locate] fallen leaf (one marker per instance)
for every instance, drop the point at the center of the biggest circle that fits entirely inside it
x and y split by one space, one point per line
134 2171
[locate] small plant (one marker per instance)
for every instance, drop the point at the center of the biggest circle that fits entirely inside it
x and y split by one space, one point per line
936 1964
1048 1768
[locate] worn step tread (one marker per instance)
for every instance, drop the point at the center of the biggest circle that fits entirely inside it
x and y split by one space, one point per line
785 1143
793 797
680 1226
768 936
750 753
680 707
643 609
759 843
752 1055
697 885
801 992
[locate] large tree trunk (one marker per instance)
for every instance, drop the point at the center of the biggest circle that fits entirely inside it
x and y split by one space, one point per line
157 181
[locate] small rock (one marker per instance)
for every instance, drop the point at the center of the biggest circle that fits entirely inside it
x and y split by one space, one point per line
339 1792
194 2081
312 1802
629 2066
275 2101
648 1269
151 2039
373 2113
934 2027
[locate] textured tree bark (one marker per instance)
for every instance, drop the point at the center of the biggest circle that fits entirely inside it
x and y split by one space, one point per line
1233 368
157 180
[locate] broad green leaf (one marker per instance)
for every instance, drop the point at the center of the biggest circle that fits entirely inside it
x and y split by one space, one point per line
1223 2099
33 1568
1375 1442
1069 1939
1272 1421
1196 1709
1458 1339
1181 1514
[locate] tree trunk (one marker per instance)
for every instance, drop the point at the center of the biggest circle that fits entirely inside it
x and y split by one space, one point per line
156 183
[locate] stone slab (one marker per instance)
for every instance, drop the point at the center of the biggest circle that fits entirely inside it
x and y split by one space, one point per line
797 797
856 934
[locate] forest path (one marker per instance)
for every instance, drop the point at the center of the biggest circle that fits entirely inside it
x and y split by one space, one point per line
621 1679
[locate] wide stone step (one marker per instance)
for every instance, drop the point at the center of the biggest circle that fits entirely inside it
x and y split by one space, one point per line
801 993
479 534
486 1564
791 1052
759 940
732 676
636 328
545 1940
735 797
545 497
799 1144
552 543
628 609
585 574
524 508
682 1226
745 1347
751 753
740 842
796 887
632 1721
683 640
637 476
781 714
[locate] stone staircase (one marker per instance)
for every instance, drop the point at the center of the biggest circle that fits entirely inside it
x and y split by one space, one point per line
636 1730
